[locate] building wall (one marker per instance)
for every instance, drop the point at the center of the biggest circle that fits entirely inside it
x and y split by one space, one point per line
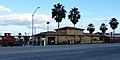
71 31
63 39
66 39
63 31
78 39
78 32
87 39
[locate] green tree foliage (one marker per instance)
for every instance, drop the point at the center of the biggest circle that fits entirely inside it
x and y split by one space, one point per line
90 28
103 27
19 35
74 15
113 23
58 12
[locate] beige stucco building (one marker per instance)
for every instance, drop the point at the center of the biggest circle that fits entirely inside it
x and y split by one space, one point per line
66 36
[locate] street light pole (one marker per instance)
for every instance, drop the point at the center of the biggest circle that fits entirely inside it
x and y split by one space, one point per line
48 26
33 24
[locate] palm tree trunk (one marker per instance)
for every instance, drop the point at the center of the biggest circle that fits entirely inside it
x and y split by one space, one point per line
58 33
74 34
103 37
91 39
111 37
113 34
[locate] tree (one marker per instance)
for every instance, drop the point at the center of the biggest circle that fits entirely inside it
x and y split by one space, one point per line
58 13
26 39
74 16
20 41
19 35
91 29
103 28
113 24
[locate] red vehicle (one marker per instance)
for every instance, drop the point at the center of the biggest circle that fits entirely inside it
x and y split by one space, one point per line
7 40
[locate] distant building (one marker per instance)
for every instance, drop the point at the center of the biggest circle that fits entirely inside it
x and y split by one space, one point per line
110 37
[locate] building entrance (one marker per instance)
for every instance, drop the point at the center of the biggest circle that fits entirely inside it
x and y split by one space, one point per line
51 40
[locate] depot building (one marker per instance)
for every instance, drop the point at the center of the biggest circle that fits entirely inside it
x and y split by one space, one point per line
66 35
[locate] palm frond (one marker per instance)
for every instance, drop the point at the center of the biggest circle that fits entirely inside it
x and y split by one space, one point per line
91 28
58 12
74 15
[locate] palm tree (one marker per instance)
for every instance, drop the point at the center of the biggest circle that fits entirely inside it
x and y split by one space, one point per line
91 29
113 24
74 16
103 28
58 13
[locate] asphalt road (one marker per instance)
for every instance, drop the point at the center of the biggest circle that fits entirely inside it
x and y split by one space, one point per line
62 52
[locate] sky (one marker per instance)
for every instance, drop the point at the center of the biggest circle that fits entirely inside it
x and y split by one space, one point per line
16 15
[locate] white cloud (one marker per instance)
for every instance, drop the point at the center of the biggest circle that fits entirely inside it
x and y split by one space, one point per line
26 20
3 8
41 19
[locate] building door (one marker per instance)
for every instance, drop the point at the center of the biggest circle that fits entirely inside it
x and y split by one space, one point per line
51 40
